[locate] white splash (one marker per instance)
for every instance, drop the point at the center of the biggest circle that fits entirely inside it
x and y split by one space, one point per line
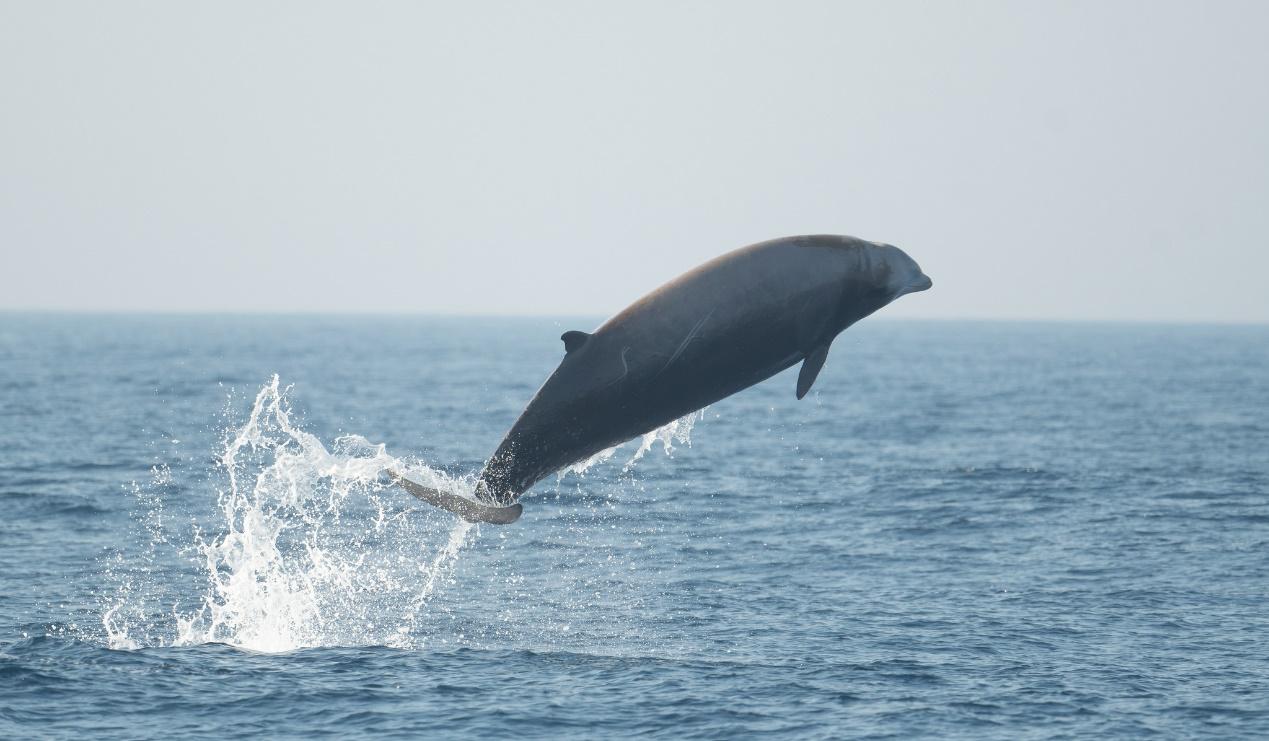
679 431
303 550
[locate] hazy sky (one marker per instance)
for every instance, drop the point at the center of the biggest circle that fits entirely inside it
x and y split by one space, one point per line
1059 160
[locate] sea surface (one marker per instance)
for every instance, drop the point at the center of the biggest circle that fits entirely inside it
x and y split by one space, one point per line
966 530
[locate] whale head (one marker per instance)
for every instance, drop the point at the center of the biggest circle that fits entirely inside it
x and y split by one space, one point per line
869 276
900 273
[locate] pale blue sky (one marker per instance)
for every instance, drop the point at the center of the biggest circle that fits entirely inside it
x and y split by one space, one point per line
1058 160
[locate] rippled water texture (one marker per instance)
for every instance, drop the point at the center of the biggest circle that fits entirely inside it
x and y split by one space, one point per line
967 530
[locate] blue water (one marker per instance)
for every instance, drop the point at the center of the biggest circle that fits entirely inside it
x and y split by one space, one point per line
967 530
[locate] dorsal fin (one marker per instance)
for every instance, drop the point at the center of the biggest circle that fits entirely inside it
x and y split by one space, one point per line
574 339
811 368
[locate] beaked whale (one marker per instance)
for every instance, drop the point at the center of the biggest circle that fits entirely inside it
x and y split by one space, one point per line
722 327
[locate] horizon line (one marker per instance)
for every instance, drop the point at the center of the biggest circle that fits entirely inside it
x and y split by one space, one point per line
352 314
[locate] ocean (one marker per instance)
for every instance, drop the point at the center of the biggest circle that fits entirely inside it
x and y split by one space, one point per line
967 530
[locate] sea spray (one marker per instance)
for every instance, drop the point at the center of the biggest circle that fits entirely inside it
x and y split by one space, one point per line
677 431
307 546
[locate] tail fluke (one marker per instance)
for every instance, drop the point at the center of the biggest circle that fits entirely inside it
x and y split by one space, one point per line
468 509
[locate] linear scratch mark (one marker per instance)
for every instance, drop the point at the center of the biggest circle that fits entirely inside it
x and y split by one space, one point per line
625 368
693 334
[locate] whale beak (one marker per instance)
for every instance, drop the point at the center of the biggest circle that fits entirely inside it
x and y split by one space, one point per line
920 284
